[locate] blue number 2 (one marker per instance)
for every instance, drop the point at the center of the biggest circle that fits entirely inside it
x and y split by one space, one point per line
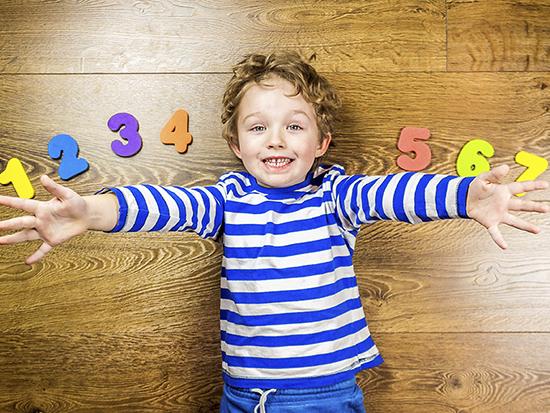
65 147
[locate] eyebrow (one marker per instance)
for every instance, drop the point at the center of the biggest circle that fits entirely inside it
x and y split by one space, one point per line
294 112
252 114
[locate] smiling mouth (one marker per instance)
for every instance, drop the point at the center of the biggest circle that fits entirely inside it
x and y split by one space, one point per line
278 162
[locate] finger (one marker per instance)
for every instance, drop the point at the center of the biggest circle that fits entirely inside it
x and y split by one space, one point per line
21 236
519 223
57 190
28 205
496 174
39 253
527 206
18 223
527 186
497 237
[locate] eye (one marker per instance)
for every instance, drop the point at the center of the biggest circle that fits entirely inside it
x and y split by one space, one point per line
298 127
255 128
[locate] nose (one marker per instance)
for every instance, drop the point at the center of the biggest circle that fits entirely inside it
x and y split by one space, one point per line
276 139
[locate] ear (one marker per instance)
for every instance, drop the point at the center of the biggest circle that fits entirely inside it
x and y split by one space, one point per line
323 145
235 148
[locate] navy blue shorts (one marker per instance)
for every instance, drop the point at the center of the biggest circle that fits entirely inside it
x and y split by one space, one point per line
343 397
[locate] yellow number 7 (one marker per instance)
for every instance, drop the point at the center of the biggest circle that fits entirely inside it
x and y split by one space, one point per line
535 166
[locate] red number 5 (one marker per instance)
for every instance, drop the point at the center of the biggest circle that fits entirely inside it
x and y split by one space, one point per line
409 142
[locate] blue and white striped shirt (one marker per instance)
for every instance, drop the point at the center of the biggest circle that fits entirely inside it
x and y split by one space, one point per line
291 315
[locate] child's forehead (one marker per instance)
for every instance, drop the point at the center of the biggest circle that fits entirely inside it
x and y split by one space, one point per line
271 83
273 90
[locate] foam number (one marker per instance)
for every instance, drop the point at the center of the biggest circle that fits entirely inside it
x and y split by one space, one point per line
15 174
410 140
472 159
65 147
535 166
176 131
129 132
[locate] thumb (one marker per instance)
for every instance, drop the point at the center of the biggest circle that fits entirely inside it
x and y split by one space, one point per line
57 190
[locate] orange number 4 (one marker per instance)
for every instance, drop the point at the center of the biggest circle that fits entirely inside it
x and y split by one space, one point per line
176 131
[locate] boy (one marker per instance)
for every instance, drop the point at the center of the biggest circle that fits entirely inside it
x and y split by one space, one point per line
293 330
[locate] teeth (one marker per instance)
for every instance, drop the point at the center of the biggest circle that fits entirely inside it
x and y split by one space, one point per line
277 162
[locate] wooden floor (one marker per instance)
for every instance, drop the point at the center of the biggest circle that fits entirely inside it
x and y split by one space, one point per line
130 322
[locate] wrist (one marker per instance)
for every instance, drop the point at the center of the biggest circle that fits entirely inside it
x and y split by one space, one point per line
101 212
465 197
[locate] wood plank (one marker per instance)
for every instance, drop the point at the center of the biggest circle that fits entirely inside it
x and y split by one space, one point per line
211 36
144 372
510 110
500 35
130 322
137 282
475 373
450 276
151 372
113 284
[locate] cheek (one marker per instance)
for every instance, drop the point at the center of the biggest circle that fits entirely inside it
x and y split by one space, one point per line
248 151
308 150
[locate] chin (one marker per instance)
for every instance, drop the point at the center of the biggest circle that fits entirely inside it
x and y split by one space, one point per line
276 182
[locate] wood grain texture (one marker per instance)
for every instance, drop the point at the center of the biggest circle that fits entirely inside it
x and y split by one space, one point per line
154 372
499 35
444 373
449 276
394 275
510 110
143 372
130 322
210 36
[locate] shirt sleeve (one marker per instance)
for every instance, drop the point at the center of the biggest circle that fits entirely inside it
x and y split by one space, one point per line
411 197
147 208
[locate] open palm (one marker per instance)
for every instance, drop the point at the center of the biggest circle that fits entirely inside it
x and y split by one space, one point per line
490 202
53 221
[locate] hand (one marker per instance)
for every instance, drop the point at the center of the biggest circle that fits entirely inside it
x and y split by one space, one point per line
54 221
489 202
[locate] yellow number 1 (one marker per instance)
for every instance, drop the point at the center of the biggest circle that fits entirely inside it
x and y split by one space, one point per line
15 174
535 166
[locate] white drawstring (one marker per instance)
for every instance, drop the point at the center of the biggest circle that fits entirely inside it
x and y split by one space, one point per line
263 398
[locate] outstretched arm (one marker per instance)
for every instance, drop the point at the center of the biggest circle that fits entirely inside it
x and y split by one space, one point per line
55 221
490 202
411 197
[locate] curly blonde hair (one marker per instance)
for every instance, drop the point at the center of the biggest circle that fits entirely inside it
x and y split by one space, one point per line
290 66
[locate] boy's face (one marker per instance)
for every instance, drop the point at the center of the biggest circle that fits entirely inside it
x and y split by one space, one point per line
278 135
